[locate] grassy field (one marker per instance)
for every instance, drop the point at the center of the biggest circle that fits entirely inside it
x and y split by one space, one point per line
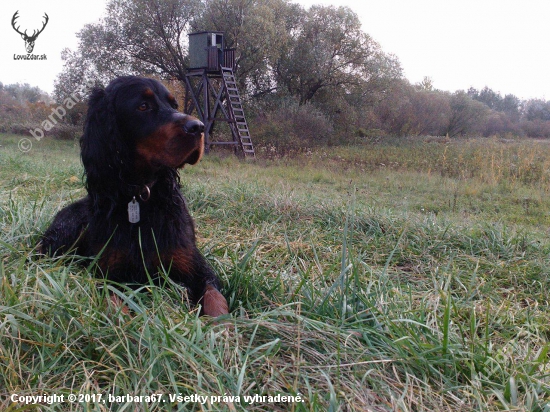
401 275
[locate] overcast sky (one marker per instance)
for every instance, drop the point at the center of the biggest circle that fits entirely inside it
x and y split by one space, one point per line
503 44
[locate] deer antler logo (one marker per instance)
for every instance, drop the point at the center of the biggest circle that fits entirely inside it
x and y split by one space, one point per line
29 40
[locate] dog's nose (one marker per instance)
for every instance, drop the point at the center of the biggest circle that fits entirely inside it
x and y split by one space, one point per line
193 126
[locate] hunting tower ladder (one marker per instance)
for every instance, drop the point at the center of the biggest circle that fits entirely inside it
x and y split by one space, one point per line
211 90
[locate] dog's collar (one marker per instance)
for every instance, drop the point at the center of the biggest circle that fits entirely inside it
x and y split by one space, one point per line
143 192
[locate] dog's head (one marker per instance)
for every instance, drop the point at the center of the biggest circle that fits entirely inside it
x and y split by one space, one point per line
133 132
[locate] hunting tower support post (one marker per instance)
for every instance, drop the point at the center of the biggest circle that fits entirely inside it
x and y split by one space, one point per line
211 90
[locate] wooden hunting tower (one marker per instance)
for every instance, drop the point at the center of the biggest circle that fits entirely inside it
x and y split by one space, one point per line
211 90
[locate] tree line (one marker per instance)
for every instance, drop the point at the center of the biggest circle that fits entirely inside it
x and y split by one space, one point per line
308 76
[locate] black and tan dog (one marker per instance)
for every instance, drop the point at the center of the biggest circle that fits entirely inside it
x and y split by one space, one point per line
134 216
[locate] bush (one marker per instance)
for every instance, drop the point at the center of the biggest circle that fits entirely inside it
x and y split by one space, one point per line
292 128
368 135
20 128
536 128
500 124
66 132
59 131
5 126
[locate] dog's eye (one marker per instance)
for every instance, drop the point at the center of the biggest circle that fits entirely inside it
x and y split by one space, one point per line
143 107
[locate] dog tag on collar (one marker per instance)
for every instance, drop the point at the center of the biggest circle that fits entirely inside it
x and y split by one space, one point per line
133 211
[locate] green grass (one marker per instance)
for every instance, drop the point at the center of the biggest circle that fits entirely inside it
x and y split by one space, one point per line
399 275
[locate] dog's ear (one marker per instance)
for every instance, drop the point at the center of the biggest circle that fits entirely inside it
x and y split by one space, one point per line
102 148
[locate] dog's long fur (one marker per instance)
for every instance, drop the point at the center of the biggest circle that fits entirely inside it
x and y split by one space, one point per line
133 143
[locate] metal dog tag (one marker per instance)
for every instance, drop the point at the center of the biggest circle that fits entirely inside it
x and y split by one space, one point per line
133 211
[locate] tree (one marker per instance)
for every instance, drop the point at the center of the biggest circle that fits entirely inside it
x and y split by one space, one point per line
135 37
25 93
466 115
259 30
511 105
490 98
152 34
329 51
426 84
508 104
537 109
319 56
411 111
